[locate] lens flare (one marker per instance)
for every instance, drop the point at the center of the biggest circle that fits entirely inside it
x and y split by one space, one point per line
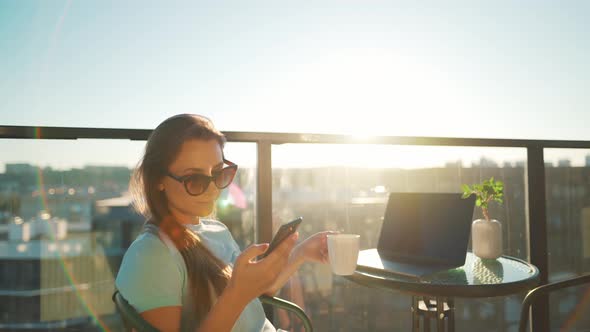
578 311
71 279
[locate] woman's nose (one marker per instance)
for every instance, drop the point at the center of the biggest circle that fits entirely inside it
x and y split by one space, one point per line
212 188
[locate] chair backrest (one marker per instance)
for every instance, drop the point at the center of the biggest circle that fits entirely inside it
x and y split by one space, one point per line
543 291
133 320
291 307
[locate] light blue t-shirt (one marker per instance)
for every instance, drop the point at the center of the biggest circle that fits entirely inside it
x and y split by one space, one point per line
153 275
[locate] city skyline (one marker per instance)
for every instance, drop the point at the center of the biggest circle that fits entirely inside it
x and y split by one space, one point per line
558 160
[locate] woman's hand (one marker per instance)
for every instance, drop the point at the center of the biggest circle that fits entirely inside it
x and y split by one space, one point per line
251 278
314 248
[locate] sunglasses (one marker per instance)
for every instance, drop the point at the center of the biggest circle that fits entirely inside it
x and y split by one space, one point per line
196 184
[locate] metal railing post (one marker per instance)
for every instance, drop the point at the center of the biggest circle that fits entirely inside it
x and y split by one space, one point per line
264 192
537 229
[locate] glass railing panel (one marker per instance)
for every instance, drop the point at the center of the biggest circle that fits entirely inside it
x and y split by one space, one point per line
236 206
59 256
567 176
569 309
66 221
345 187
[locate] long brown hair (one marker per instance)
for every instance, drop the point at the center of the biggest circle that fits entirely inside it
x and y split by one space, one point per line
207 274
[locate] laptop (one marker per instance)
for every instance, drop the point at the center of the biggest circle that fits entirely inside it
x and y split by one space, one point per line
422 233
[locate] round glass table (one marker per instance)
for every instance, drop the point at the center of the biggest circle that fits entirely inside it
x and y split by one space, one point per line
433 295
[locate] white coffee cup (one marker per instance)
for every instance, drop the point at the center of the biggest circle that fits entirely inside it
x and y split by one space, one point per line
343 250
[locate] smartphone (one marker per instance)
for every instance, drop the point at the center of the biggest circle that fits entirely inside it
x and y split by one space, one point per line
284 232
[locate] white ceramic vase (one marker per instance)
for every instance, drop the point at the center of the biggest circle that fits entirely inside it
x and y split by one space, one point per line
486 238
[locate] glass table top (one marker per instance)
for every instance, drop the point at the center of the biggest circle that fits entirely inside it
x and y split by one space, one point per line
477 271
476 278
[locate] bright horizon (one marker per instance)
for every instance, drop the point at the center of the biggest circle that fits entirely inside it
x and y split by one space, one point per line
45 153
463 69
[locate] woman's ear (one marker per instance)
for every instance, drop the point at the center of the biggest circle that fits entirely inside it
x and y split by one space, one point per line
161 187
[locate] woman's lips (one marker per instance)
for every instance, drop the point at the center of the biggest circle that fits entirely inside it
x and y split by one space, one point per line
206 201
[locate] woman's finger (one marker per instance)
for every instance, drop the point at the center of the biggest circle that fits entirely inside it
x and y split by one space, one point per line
280 255
252 252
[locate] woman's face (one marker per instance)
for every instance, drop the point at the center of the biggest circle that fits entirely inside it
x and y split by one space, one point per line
195 156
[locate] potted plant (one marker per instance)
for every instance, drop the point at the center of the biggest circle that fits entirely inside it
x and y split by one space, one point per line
486 233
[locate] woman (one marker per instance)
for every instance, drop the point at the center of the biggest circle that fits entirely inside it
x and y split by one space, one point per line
185 272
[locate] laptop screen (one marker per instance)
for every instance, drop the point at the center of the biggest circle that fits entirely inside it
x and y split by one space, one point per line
430 228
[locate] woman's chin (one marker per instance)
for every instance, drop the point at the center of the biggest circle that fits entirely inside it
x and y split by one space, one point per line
204 210
203 214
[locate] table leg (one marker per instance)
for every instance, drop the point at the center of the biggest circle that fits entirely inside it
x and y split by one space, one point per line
426 316
426 324
441 309
415 315
451 315
440 314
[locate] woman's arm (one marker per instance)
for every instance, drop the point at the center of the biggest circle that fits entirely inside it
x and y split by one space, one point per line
296 259
221 317
313 249
225 312
165 319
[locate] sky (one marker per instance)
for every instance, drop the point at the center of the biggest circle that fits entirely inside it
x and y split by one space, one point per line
507 69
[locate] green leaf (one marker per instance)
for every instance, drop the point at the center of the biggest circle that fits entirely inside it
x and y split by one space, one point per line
485 192
466 188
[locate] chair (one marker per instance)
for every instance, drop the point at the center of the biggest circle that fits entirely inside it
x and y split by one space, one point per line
133 320
544 290
288 306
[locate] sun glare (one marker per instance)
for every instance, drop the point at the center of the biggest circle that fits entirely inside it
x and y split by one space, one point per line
387 156
358 92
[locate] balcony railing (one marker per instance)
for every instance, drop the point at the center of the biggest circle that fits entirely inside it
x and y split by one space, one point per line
534 186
